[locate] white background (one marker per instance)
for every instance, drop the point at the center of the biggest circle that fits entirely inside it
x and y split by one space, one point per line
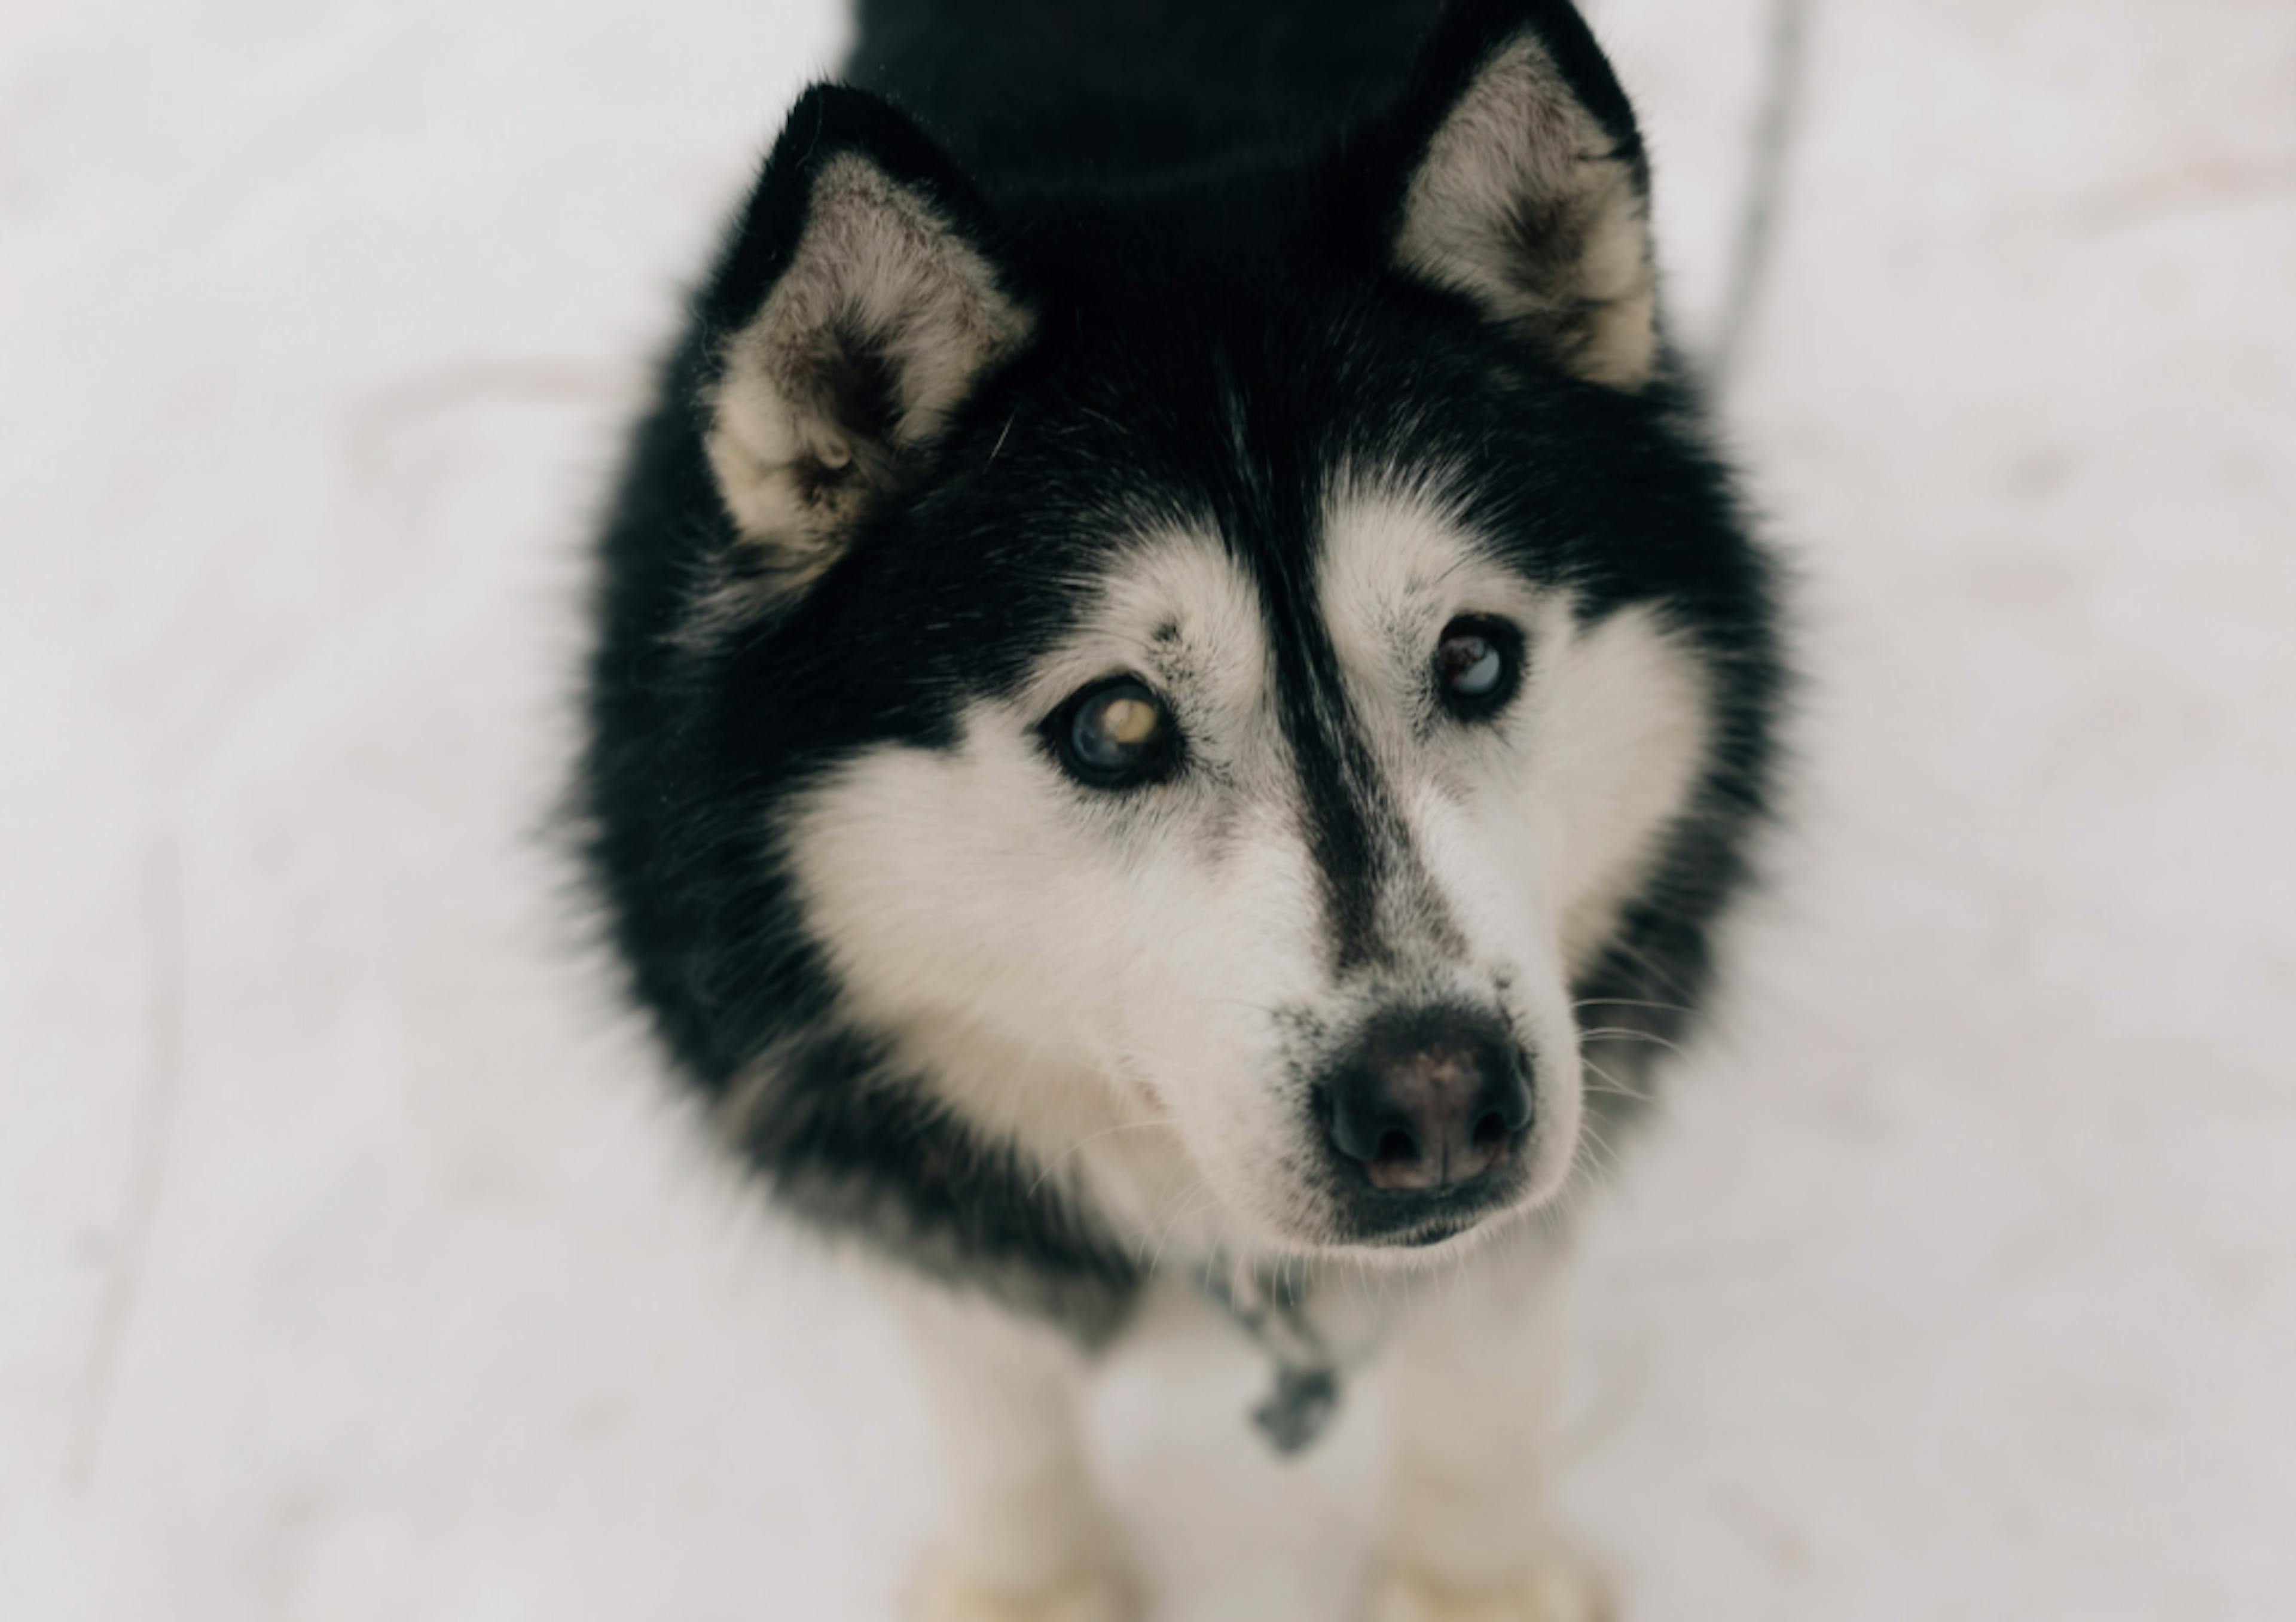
353 1263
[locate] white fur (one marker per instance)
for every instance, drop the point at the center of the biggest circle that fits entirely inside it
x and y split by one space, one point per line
1470 1530
1068 963
1519 144
1027 1539
941 1593
1561 1590
879 265
1624 722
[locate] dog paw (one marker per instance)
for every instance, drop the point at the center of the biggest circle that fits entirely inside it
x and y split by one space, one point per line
1564 1589
941 1593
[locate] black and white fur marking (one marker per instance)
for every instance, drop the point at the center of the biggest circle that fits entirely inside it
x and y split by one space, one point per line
1249 354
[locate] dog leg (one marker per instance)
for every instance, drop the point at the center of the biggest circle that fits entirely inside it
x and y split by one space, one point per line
1471 1532
1026 1538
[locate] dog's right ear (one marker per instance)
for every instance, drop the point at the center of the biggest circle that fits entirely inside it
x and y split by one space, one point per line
857 305
1514 176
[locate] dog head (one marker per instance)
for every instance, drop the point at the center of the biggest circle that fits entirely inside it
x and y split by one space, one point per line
1242 689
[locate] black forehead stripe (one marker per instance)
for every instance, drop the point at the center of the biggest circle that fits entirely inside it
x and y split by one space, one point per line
1339 786
1275 499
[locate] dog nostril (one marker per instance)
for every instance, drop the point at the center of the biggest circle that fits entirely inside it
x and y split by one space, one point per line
1428 1100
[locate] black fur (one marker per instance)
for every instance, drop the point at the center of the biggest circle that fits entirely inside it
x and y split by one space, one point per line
1194 197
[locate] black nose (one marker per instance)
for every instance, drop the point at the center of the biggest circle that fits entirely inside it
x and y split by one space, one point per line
1429 1099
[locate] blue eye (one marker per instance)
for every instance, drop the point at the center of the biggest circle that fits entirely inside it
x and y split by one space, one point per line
1114 735
1477 664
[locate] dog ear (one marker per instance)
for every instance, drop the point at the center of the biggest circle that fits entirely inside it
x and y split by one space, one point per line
857 305
1524 185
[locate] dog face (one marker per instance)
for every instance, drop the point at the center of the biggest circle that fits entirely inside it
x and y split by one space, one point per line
1289 787
1235 695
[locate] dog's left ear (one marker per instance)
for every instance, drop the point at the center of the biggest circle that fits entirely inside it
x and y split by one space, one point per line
1523 185
859 302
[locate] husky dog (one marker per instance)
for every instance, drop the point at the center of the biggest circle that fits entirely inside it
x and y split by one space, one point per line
1180 687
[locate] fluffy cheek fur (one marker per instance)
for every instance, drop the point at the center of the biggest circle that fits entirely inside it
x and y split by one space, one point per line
1058 964
1135 986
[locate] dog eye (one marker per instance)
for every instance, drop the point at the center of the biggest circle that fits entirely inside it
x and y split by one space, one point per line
1114 735
1477 664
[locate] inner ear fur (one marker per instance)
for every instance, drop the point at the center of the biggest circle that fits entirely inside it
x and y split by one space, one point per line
1526 188
860 308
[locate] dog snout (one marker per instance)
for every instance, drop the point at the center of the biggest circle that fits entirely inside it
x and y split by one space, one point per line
1429 1101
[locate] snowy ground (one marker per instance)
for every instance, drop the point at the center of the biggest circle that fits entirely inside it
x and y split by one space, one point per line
351 1265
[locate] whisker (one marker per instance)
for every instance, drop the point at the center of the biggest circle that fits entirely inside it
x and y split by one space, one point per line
1238 1002
1594 1140
1632 1002
1612 1083
1624 1034
1200 1186
1056 1162
1665 976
